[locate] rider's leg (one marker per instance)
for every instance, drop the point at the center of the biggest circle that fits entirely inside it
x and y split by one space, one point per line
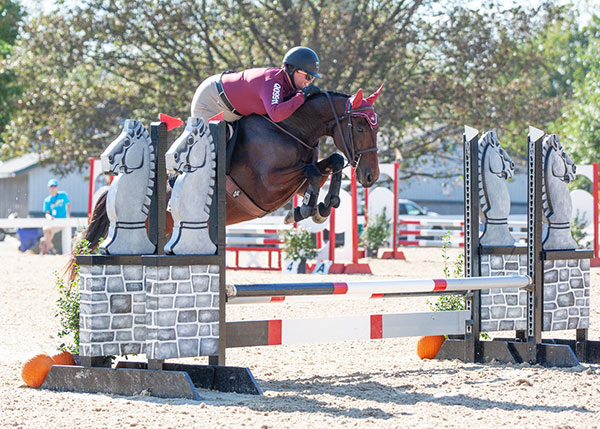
207 103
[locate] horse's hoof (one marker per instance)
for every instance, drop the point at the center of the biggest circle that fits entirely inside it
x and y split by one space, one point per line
334 202
317 218
289 217
321 214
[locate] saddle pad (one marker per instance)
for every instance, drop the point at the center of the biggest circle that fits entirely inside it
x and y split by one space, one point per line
234 192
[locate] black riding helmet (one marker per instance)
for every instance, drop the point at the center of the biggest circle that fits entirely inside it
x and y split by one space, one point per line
302 58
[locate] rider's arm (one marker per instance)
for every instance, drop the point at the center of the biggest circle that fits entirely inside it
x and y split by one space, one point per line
272 98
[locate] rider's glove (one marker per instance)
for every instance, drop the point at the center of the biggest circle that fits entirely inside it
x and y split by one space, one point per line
311 90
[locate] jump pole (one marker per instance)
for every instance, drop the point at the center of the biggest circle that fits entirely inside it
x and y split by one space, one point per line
236 293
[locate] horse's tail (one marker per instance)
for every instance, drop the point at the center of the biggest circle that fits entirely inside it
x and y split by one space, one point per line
97 228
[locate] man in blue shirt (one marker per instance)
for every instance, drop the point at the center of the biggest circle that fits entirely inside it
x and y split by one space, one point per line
56 205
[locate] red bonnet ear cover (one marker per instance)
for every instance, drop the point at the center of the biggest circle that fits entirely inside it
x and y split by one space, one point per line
371 98
357 99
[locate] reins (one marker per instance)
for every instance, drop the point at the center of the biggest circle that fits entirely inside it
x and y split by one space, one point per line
353 156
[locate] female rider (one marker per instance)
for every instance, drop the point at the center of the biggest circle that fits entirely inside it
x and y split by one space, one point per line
275 91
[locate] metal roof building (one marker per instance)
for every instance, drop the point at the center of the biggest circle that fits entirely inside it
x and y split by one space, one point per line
23 187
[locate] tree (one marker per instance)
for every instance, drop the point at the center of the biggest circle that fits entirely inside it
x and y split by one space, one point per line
442 64
10 18
579 124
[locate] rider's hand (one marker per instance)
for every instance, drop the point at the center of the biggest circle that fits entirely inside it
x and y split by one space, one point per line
311 90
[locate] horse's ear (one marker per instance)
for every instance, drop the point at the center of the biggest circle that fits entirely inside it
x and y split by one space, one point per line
357 99
371 98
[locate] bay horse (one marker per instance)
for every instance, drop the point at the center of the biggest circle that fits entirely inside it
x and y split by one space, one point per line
273 161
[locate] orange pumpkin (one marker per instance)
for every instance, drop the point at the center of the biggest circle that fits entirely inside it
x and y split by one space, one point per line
63 358
429 346
35 370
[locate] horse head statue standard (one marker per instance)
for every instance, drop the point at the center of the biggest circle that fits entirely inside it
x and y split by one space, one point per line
193 157
558 170
131 158
495 167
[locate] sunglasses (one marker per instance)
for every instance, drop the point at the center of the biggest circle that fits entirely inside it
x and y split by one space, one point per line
307 76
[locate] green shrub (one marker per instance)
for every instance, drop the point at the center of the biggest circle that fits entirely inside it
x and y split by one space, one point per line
450 302
377 232
68 302
298 244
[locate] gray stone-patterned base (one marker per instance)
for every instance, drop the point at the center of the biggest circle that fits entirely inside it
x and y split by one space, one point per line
165 312
566 294
182 311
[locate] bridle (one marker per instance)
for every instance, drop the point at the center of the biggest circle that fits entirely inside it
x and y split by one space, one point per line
354 156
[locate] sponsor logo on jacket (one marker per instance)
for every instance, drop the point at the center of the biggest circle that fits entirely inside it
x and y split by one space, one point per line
276 93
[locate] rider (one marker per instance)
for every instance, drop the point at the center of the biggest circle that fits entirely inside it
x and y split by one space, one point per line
276 91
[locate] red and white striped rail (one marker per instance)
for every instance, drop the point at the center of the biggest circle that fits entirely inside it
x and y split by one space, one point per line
276 291
435 221
329 329
252 240
430 243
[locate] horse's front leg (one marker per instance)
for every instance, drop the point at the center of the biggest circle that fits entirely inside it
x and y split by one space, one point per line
334 163
309 203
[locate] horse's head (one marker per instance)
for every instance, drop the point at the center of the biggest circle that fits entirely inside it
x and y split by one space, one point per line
187 153
562 167
355 135
500 162
127 152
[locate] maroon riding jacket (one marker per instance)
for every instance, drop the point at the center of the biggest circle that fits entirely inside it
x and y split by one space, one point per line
262 91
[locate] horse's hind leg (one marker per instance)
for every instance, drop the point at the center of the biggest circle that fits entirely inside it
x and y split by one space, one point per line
309 203
332 199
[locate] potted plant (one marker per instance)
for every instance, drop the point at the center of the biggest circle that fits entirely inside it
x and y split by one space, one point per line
298 245
376 233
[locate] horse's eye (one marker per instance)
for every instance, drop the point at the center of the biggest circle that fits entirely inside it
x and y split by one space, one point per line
126 143
360 129
190 140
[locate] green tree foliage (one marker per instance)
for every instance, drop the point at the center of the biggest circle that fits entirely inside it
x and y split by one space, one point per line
579 125
10 18
88 67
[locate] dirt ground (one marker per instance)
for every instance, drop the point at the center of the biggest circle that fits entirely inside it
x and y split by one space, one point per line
361 384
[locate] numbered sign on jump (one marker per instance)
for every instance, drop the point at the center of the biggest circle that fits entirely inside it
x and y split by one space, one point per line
322 267
291 266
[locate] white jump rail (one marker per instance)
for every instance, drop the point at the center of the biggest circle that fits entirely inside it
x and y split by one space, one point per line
31 222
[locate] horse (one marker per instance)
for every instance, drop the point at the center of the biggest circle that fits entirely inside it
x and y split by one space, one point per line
558 170
273 161
495 168
131 156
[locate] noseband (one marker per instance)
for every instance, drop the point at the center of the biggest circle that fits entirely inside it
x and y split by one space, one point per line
351 153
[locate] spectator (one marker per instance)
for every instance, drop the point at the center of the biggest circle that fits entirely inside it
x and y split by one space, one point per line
56 205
